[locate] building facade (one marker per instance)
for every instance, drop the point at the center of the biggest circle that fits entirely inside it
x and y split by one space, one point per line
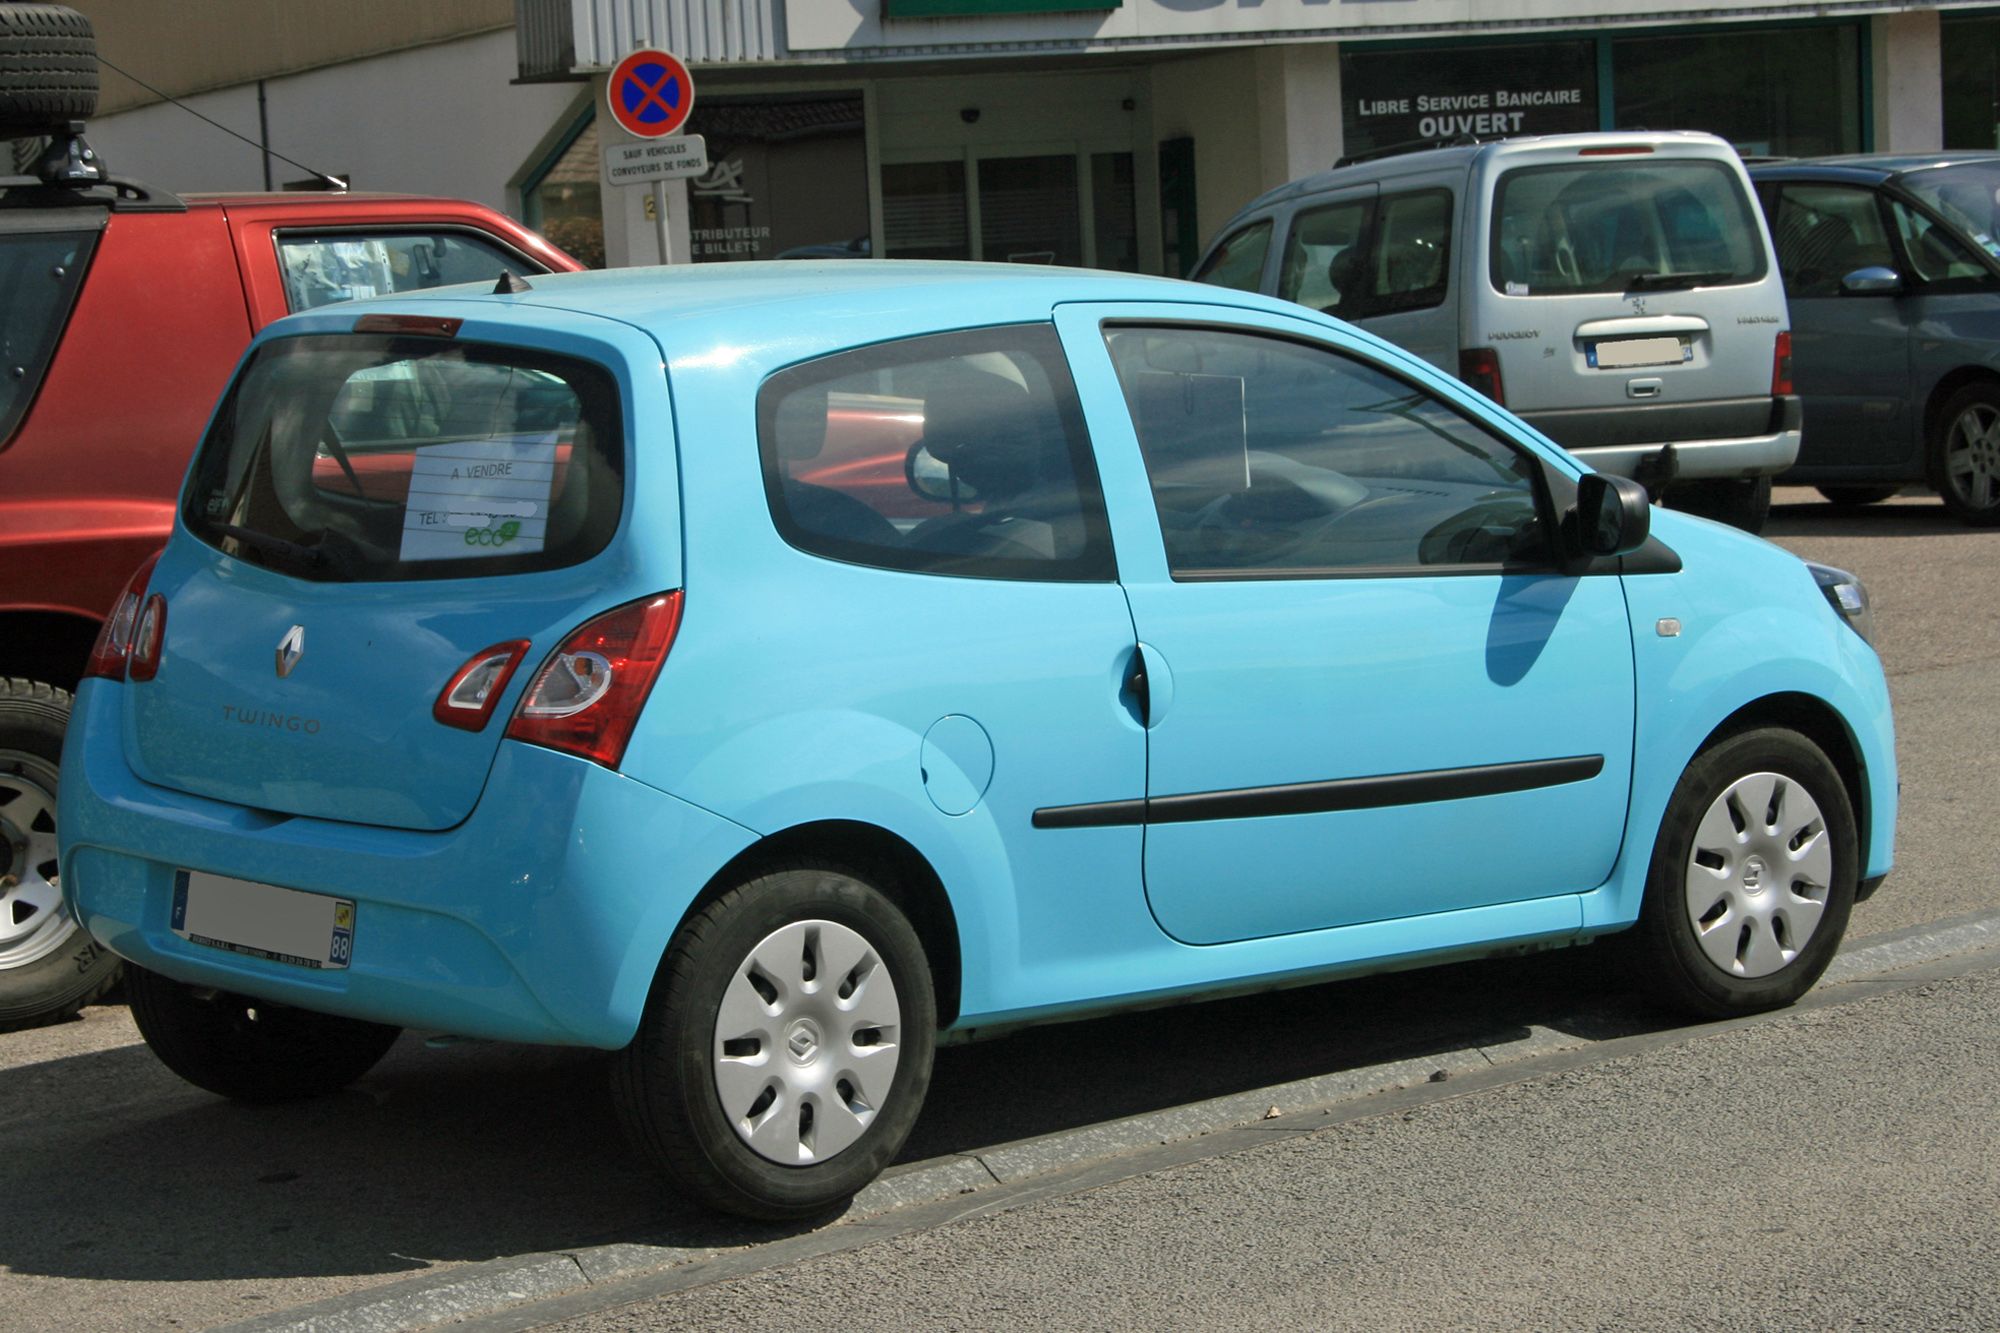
1109 133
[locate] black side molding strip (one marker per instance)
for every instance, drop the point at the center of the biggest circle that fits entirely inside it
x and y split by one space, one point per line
1311 798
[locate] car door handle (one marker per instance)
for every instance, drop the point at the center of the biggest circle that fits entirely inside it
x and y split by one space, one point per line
1148 686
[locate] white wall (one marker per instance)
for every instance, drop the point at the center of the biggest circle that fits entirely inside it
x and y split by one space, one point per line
1909 83
438 119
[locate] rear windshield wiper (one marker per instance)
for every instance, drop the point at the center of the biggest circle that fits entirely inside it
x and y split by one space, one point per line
1660 282
306 557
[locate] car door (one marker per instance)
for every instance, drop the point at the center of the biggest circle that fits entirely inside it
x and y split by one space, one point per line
1850 353
1369 694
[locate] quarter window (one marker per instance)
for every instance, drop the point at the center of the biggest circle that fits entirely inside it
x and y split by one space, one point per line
1938 257
1276 459
1411 252
1825 232
1326 259
958 453
1358 258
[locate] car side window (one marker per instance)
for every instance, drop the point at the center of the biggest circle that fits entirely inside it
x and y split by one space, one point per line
958 453
1936 256
1239 261
323 268
1412 252
1326 259
1825 232
1278 459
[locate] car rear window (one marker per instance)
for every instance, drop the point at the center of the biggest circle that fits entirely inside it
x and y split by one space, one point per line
360 457
39 275
1617 226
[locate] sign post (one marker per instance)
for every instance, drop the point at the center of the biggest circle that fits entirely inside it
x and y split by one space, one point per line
649 96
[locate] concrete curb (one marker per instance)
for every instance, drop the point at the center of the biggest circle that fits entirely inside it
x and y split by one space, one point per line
459 1293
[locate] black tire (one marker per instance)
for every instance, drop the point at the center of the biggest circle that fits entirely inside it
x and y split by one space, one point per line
1853 497
248 1050
54 969
1741 504
48 69
665 1083
1673 961
1963 455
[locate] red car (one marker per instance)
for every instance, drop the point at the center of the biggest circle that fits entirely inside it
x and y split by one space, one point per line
123 311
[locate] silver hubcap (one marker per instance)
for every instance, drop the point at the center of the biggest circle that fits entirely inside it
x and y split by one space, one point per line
1972 455
1757 881
33 921
806 1042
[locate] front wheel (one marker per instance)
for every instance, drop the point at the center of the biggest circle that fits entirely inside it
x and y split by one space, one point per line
1753 877
1965 455
786 1048
1743 503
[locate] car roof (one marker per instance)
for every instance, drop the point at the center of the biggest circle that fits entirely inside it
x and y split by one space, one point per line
1866 168
792 298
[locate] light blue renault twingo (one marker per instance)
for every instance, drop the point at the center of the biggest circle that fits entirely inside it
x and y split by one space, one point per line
758 670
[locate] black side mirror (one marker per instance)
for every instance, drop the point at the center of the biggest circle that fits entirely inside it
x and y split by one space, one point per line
1613 515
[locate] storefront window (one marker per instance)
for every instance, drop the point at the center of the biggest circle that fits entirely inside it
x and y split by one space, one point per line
788 178
923 211
1970 51
1028 210
564 203
1791 92
1436 94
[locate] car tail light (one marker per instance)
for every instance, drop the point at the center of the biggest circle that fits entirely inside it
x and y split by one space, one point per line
1480 367
109 655
587 696
1614 150
147 639
468 698
1781 364
426 326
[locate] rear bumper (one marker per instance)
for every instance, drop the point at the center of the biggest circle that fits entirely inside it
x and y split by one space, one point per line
541 918
1760 455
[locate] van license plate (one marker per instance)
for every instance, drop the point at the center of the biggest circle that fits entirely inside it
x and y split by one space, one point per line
263 920
1639 352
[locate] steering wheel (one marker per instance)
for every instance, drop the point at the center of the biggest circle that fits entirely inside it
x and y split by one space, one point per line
1491 532
1259 526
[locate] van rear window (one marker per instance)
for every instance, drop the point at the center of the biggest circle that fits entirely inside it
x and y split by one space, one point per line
356 457
1658 225
39 275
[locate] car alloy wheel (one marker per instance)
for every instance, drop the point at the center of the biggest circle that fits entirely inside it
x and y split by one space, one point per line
1965 455
806 1042
33 921
1759 874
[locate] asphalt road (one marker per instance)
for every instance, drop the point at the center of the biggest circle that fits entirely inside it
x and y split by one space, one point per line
129 1200
1831 1169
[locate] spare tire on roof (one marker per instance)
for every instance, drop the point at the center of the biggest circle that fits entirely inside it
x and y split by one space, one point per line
48 69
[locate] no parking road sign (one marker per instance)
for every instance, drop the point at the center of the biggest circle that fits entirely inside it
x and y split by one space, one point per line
650 93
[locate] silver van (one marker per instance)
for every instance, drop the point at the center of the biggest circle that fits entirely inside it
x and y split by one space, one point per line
1617 291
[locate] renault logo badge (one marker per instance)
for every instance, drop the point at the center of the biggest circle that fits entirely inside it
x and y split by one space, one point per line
290 649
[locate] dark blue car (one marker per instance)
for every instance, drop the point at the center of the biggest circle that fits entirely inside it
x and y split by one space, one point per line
1892 268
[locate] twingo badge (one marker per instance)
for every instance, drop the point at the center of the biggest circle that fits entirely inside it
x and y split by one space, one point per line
290 649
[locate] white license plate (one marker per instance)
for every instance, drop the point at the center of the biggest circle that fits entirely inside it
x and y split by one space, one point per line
1638 352
263 920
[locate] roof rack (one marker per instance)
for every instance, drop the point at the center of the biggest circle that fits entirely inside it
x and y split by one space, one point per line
1417 146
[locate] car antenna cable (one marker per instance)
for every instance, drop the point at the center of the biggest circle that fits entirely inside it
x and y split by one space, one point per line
334 181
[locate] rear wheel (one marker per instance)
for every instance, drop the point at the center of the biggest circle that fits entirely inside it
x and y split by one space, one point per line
1853 497
1965 455
1753 877
1741 503
48 968
786 1048
249 1050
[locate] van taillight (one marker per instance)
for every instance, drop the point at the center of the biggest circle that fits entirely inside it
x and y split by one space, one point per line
1781 364
586 698
148 639
1480 367
110 654
468 698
